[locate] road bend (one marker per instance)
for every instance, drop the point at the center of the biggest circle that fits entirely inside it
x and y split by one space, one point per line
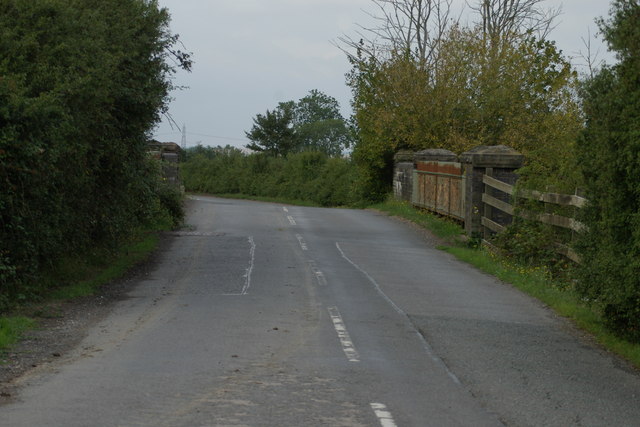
262 314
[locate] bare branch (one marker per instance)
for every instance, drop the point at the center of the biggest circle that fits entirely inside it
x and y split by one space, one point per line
591 59
403 27
505 19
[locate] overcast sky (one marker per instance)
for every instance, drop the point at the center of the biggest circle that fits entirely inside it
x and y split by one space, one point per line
252 54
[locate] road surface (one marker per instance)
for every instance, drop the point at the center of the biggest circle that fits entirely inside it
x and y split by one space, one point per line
262 314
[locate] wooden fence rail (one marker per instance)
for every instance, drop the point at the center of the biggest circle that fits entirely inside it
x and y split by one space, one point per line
547 218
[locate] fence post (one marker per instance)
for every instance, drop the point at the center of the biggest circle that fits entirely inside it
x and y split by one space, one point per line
503 161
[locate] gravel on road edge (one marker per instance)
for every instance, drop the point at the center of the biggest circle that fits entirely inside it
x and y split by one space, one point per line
62 325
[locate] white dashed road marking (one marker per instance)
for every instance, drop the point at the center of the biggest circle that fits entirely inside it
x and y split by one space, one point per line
303 244
343 334
322 281
291 220
384 416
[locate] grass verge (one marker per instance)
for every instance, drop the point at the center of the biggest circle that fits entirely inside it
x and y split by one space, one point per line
445 229
81 276
283 200
11 328
535 282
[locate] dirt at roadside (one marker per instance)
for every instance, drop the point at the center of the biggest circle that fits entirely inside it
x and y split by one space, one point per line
61 326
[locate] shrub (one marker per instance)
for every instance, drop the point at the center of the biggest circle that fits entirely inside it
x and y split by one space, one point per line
306 176
609 156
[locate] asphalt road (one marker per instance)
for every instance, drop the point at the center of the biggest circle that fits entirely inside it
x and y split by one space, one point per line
270 315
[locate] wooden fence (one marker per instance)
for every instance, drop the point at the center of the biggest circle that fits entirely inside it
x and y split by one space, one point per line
504 203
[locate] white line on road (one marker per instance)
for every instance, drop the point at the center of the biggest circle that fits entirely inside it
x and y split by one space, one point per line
291 220
247 276
383 414
422 339
322 281
343 334
303 244
285 209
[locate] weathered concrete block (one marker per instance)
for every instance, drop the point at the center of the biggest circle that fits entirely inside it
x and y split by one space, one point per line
499 161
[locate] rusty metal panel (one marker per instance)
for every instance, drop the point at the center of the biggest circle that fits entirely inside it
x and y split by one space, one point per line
439 187
440 168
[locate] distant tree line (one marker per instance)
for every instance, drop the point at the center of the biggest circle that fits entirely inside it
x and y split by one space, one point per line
297 152
309 176
82 84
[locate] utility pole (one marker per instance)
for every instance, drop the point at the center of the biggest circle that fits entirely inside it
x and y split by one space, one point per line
183 144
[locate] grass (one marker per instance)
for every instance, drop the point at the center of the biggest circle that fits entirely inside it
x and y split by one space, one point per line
11 328
445 229
534 281
283 200
81 276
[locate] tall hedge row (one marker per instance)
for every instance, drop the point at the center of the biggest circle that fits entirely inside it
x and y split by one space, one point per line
82 83
609 152
307 176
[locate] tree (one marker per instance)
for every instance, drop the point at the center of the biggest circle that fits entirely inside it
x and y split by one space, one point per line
609 157
272 133
319 126
83 83
313 123
505 19
520 95
409 28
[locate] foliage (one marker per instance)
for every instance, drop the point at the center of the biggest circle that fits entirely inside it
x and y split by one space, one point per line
609 157
309 175
272 133
420 80
313 123
11 328
319 126
518 93
82 84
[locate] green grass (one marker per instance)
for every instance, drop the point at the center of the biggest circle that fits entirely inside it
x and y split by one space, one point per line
447 230
77 277
283 200
83 276
534 281
11 328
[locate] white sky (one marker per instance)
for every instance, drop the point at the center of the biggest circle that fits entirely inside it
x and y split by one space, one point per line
252 54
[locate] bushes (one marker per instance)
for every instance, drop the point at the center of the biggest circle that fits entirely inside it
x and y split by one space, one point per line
609 155
307 176
82 84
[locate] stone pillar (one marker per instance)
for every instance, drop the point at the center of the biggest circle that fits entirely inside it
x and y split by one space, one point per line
403 175
498 161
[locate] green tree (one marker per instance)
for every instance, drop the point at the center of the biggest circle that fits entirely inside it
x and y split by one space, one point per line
609 156
519 93
319 126
83 82
313 123
273 133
